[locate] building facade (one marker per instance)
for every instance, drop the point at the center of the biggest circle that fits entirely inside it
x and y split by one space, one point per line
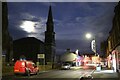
7 41
103 47
114 38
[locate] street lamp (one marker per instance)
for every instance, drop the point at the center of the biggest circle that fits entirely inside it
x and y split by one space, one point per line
93 43
88 35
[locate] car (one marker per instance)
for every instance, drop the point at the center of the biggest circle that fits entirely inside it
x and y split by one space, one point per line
25 67
65 66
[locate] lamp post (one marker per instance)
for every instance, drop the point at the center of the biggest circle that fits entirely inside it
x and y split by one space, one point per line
93 43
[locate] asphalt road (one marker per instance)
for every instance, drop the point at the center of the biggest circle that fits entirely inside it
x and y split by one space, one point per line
52 75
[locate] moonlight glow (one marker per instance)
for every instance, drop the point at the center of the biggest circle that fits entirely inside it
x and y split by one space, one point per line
28 26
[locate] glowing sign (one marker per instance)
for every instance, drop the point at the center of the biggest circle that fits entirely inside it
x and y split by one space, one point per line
93 46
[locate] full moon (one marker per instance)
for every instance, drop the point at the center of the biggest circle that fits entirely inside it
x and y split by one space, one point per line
28 26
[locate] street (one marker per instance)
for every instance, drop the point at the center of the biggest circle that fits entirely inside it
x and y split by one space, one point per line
53 74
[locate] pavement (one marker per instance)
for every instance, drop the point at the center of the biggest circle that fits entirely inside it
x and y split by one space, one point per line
102 74
106 73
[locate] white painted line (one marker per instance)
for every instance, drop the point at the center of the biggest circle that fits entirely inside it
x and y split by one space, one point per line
82 75
92 71
88 74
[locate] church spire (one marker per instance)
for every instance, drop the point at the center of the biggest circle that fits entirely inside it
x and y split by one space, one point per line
50 18
50 38
49 23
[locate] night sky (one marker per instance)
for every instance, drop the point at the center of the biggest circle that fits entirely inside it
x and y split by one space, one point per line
72 20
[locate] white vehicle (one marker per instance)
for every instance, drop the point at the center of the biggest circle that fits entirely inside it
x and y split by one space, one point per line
65 66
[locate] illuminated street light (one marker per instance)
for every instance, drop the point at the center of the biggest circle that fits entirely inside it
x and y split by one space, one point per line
93 42
88 35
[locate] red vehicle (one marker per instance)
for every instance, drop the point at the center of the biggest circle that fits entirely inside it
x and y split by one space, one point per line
25 67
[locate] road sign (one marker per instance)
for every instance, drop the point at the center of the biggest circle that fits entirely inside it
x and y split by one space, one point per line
41 56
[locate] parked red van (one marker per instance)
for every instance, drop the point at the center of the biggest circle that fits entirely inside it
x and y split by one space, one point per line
25 67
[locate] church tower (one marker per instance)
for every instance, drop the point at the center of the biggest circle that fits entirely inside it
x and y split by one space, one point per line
50 39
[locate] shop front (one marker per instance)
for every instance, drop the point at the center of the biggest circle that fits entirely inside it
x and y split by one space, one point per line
109 61
115 60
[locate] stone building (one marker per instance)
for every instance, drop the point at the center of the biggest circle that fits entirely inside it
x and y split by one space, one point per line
27 48
114 34
68 56
103 47
6 38
114 37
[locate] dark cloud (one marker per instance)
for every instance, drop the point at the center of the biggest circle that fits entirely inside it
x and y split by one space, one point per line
17 33
29 17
